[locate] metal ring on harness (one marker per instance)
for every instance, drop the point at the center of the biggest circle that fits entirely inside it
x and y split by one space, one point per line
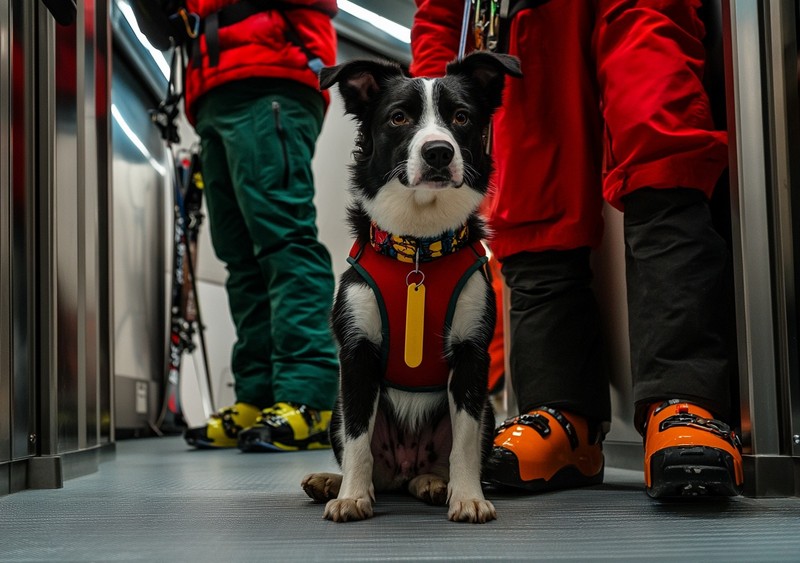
420 272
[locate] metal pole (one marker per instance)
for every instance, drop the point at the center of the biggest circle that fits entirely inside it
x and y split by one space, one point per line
462 42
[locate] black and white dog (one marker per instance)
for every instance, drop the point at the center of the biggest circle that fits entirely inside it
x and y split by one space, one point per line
415 313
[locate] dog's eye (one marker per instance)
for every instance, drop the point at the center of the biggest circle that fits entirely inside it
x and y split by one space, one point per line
399 118
461 117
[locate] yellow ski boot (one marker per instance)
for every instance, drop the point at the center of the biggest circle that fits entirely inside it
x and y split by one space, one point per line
287 427
223 428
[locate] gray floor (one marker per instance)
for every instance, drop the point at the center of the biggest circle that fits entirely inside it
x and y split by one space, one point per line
159 501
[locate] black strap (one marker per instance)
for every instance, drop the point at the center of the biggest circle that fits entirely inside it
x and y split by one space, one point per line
516 6
211 25
314 62
234 13
164 116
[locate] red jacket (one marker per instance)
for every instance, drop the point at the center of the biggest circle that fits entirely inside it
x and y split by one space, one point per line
258 47
611 101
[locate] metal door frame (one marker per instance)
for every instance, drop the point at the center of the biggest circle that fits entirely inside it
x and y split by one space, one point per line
17 241
758 46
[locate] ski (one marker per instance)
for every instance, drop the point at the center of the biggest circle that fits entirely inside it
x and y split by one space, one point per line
185 319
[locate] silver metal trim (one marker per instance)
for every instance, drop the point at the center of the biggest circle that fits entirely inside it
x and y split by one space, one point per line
47 317
749 202
6 365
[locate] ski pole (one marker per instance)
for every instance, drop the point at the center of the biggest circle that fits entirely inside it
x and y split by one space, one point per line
462 42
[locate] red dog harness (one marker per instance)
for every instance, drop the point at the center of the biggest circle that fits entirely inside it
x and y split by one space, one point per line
444 277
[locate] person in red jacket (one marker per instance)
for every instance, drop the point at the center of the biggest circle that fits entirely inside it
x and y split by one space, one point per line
611 106
252 96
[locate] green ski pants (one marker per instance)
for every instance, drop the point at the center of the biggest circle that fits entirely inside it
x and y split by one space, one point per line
258 140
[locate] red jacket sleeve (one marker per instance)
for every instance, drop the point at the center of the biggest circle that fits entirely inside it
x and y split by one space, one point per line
434 36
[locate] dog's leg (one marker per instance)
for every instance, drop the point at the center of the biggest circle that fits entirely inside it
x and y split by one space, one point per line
465 496
359 390
357 325
472 327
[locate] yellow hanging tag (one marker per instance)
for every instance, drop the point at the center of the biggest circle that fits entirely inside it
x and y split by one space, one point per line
415 324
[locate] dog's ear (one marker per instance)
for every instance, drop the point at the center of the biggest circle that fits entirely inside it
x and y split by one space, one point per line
488 70
359 81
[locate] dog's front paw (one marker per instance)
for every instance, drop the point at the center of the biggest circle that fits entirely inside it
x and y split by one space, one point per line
429 488
476 510
347 509
322 487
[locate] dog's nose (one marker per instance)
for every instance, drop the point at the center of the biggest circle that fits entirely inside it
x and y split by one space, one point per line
437 154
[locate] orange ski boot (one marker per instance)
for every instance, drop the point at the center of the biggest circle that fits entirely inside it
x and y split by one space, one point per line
689 453
545 450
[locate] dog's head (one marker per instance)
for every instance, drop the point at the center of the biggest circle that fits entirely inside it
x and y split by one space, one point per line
420 168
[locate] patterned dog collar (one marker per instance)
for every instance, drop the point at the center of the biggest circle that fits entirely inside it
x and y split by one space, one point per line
404 248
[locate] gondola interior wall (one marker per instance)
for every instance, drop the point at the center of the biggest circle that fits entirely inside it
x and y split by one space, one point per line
55 347
140 177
